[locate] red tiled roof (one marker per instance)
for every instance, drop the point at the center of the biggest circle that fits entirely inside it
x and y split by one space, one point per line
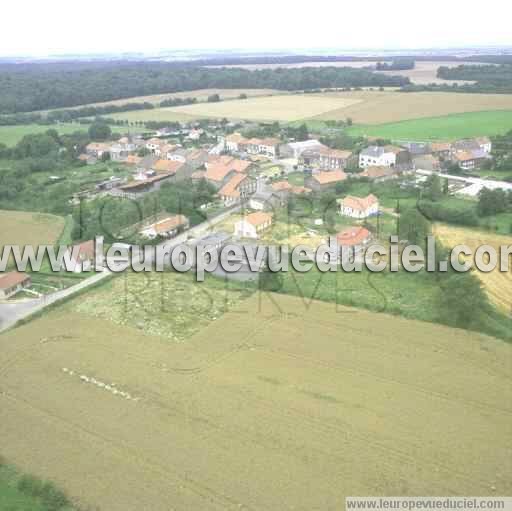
359 203
12 278
353 236
325 178
258 218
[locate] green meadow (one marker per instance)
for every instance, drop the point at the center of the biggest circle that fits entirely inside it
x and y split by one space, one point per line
448 127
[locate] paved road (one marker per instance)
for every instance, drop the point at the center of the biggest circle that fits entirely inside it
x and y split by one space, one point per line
12 312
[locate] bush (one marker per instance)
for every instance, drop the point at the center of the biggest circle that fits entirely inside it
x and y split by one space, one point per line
30 485
53 498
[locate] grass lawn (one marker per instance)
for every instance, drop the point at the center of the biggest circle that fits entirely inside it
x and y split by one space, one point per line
11 135
449 127
14 499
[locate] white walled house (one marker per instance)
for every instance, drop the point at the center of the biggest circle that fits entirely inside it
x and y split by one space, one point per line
377 156
359 207
166 228
253 224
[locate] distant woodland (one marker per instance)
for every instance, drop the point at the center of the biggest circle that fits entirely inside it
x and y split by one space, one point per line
31 87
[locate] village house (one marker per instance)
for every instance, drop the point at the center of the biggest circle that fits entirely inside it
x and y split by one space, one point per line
333 159
321 181
231 142
12 282
264 200
219 172
359 207
482 144
81 256
239 187
470 160
377 174
441 149
351 241
97 149
252 225
426 162
165 166
384 156
166 228
154 145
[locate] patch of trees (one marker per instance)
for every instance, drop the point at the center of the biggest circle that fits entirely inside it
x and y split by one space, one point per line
99 131
500 75
32 87
460 213
116 218
47 493
493 202
488 79
396 65
177 102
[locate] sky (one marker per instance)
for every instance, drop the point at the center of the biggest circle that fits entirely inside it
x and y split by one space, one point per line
38 28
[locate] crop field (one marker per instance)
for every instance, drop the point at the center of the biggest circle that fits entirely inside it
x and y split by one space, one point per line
498 285
25 228
378 107
279 108
278 404
450 127
363 107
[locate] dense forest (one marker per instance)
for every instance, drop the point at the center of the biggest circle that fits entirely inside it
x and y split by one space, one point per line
498 76
27 88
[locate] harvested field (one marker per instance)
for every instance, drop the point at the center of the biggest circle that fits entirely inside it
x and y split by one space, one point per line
498 285
378 107
25 228
274 406
364 107
280 108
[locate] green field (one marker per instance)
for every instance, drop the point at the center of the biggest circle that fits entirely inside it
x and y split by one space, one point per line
11 135
449 127
17 495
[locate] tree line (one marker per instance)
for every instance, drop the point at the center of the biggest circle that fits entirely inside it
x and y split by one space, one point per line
35 87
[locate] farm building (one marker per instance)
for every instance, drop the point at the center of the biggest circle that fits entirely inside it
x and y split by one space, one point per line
166 228
321 181
359 207
253 224
12 282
